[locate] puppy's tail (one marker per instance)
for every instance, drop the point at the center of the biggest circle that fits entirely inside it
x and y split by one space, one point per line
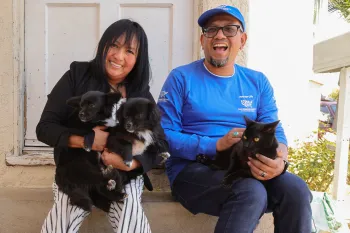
147 182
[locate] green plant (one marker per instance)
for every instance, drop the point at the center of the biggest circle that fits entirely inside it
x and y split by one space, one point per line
314 163
335 94
342 6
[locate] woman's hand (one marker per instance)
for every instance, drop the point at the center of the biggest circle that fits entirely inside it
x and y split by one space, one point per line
100 139
265 168
231 138
117 161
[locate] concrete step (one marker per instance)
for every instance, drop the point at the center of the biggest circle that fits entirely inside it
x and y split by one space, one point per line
24 209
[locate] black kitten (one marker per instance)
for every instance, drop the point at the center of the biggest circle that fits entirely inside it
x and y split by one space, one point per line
258 138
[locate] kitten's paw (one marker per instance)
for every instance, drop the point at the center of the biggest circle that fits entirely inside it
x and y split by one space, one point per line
111 185
202 159
128 163
226 184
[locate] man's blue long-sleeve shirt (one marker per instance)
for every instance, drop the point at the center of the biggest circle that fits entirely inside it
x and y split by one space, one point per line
199 107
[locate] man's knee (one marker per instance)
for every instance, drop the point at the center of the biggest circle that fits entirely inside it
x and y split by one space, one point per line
295 190
252 192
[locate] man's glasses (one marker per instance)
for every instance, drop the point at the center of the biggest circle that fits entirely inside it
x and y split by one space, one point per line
228 30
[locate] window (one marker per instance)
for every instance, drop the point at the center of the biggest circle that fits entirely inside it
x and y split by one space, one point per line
334 108
324 109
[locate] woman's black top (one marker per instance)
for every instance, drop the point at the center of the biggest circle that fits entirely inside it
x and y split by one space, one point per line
58 120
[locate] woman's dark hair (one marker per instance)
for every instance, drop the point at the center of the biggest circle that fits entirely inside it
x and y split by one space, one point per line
139 77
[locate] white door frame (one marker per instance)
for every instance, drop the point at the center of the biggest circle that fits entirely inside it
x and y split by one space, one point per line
21 155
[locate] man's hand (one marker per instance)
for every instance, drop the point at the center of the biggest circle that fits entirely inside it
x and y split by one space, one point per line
231 138
265 168
100 139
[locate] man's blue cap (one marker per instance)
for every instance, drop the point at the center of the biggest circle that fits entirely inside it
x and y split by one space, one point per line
221 9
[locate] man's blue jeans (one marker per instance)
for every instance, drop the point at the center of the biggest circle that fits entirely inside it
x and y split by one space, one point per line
199 189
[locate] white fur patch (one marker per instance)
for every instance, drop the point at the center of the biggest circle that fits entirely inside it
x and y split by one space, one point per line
138 147
112 120
120 102
147 135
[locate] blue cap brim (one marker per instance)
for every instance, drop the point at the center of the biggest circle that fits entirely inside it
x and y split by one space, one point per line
203 19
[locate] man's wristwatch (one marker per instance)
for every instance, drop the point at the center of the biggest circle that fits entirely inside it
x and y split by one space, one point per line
89 140
286 164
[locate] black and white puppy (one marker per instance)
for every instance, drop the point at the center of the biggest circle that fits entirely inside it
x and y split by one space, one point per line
134 125
139 125
81 175
99 108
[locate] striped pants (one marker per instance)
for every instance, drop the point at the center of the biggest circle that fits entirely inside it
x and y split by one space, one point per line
124 217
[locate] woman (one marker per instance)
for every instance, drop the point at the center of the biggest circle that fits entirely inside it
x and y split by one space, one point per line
121 64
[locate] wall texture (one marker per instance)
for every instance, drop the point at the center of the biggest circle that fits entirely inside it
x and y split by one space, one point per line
281 46
13 176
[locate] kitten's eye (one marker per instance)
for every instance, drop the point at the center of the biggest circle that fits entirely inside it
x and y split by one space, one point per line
256 139
91 105
244 137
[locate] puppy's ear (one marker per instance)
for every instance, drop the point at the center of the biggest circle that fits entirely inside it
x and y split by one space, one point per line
153 113
74 101
113 97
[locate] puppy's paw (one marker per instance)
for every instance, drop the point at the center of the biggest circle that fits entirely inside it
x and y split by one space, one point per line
128 163
165 155
111 185
204 159
107 171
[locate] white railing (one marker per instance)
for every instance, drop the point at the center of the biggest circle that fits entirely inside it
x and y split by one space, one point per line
333 55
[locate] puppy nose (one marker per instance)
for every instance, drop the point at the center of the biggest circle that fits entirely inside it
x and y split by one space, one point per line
81 114
128 125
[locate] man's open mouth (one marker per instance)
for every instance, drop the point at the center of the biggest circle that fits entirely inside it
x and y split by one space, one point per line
220 47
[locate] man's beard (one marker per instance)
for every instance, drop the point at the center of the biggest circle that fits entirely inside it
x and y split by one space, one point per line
218 63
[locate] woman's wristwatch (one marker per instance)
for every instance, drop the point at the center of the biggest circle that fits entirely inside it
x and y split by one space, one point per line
89 140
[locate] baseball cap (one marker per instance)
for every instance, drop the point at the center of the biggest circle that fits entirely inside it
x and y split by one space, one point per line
231 10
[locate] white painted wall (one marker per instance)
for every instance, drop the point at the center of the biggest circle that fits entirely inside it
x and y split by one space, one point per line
280 45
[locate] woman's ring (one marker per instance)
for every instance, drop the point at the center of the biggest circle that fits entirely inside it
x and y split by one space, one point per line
235 134
263 174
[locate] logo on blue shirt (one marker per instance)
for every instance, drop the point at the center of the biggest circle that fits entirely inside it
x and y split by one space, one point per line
162 96
247 102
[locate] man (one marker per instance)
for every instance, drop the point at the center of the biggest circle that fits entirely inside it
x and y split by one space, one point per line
203 104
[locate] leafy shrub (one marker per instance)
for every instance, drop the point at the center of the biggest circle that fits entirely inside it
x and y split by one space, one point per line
335 94
314 163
